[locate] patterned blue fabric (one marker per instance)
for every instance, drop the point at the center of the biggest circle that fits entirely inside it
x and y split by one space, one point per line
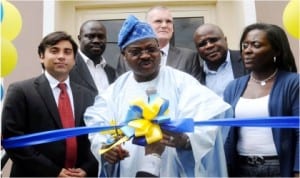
134 30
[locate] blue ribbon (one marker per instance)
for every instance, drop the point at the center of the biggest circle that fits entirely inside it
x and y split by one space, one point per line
274 122
1 12
54 135
154 113
50 136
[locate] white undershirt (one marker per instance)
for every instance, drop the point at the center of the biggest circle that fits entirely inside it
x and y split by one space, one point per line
254 140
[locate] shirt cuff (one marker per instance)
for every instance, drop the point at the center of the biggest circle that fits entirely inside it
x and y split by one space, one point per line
151 164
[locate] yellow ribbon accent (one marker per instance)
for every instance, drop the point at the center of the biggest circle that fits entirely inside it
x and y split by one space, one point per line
112 132
144 126
154 134
148 112
122 140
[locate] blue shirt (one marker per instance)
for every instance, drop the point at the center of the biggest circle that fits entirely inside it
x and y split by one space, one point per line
218 80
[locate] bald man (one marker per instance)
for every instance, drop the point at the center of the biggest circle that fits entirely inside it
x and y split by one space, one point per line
220 65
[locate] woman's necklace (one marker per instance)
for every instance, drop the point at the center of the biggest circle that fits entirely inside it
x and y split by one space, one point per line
263 82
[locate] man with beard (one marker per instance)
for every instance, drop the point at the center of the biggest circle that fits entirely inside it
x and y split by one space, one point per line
91 69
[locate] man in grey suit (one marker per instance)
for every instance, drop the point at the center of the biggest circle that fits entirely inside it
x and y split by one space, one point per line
91 69
186 60
33 106
220 65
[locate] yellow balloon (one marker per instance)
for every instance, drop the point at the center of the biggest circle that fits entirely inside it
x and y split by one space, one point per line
9 57
12 21
291 18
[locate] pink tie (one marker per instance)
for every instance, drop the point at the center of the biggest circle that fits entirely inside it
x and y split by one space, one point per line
67 120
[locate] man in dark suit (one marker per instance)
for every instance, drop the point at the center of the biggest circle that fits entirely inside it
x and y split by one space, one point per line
220 65
33 106
186 60
91 69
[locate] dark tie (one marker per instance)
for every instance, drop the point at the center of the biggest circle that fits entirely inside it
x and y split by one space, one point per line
67 120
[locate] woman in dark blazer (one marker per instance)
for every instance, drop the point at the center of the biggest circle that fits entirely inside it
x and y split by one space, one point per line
271 89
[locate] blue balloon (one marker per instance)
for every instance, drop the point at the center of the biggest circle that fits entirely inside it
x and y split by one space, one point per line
1 12
1 92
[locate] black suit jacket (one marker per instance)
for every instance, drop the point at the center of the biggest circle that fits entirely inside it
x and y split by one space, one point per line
30 107
237 63
80 74
182 59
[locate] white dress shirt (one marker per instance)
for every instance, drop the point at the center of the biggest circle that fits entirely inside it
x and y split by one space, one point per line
164 56
97 72
56 91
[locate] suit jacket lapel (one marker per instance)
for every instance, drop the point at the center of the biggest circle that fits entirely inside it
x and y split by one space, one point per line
172 59
43 87
77 99
237 64
110 74
83 72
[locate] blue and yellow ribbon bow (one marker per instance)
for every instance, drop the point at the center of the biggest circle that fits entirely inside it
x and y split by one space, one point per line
143 120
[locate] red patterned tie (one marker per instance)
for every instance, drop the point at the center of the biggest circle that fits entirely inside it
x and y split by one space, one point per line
67 120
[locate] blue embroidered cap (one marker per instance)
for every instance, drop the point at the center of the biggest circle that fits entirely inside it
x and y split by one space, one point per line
134 30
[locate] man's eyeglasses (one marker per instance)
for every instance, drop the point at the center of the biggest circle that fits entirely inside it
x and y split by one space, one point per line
208 40
137 52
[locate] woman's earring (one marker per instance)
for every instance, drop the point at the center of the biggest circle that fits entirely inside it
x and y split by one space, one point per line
274 58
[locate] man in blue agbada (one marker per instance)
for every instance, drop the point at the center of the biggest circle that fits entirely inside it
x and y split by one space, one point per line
185 154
